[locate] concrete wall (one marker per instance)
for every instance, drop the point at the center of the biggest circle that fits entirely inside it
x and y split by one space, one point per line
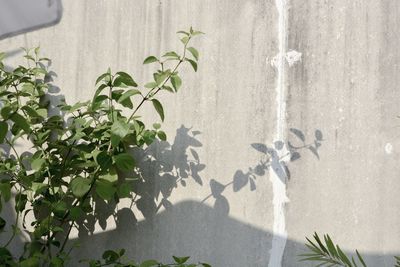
269 71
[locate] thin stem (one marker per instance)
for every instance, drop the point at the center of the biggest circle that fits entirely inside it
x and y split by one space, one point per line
74 205
158 88
15 151
64 161
111 107
67 235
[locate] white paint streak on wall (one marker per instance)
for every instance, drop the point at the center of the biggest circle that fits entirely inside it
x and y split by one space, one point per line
389 148
292 57
278 185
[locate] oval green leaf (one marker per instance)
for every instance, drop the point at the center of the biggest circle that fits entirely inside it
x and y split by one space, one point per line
157 105
124 162
80 186
150 59
3 130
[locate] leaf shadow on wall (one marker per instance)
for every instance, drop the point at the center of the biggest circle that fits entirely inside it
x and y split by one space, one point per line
161 168
188 225
275 158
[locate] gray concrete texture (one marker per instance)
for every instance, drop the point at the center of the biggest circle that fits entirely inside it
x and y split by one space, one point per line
269 71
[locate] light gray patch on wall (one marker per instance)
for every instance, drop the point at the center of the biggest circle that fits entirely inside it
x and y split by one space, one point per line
21 16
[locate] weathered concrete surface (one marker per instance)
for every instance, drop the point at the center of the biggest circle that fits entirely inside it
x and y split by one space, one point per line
344 85
230 100
347 86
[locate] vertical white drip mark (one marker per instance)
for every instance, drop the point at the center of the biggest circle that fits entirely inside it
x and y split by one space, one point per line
278 184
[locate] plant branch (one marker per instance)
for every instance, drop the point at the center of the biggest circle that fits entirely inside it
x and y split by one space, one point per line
158 88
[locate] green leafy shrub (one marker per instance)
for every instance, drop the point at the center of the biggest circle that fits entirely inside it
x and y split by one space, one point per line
78 154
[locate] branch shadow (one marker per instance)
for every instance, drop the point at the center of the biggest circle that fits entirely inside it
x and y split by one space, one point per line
161 168
275 158
191 228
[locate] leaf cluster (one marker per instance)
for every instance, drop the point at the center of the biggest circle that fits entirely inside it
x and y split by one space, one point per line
79 154
328 254
116 259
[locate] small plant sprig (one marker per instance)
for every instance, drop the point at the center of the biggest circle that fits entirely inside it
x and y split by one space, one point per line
116 259
326 253
397 258
78 154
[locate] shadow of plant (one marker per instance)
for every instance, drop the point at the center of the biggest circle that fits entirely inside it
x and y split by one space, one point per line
276 158
160 168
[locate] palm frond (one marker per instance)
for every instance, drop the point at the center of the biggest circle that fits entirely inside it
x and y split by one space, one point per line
326 253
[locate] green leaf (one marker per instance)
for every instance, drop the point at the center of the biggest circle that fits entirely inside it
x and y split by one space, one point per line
194 33
343 256
20 202
361 259
37 164
42 112
185 40
160 77
111 176
193 63
104 160
105 76
96 103
38 71
171 54
57 262
5 254
5 191
183 32
105 189
30 111
2 224
80 186
115 140
149 263
194 52
120 129
180 260
21 122
176 82
29 262
110 256
37 50
3 130
150 59
157 105
39 188
168 88
60 209
124 79
76 213
156 126
124 190
6 111
162 135
124 162
151 85
128 94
